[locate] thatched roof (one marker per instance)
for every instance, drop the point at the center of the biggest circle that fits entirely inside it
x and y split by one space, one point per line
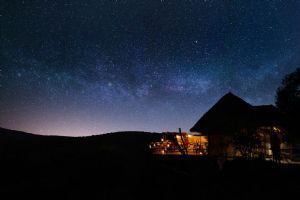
267 115
232 113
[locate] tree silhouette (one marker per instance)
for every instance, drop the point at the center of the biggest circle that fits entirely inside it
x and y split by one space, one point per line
247 142
275 146
288 101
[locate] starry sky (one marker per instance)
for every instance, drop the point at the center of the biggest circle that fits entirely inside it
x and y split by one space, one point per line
89 67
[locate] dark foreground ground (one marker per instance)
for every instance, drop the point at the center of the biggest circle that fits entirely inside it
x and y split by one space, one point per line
119 166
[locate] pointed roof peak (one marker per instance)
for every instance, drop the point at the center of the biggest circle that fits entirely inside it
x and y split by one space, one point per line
230 94
232 97
230 109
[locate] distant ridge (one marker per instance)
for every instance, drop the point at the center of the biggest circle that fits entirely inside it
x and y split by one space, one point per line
14 137
5 131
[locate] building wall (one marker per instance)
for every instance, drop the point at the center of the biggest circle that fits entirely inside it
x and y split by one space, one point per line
220 146
174 143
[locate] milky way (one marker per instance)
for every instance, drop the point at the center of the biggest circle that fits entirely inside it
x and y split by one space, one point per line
90 67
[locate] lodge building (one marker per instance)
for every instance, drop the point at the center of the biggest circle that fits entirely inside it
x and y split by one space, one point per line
216 132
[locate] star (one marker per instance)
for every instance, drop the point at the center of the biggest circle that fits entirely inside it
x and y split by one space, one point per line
115 66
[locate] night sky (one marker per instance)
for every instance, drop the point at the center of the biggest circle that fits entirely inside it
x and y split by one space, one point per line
91 67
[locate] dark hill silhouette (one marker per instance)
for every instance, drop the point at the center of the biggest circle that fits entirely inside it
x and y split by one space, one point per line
36 164
132 142
119 166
